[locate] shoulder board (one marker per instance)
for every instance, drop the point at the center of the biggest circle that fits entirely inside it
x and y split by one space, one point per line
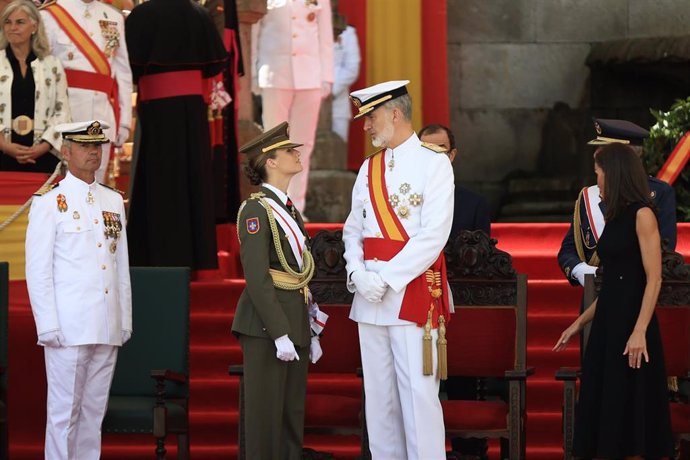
256 195
434 148
45 189
46 4
113 189
366 157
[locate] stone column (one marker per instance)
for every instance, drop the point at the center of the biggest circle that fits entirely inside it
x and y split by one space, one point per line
330 183
248 12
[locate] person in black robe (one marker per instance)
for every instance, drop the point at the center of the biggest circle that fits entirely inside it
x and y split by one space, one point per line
173 47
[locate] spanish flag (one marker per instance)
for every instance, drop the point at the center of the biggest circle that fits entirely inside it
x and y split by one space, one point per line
401 40
16 189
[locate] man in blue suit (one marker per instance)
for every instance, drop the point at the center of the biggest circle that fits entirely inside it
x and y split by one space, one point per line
471 210
578 254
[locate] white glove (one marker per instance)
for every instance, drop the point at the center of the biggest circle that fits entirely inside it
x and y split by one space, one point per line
582 269
53 339
315 351
285 349
126 335
369 285
325 89
122 136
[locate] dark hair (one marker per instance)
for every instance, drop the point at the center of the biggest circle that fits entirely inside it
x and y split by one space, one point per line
434 128
255 167
625 180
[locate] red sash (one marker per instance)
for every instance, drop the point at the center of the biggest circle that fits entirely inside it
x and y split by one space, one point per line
99 80
419 295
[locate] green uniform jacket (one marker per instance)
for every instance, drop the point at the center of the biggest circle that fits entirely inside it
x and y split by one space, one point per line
263 310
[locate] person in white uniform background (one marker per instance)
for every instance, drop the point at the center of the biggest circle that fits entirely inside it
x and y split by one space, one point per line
347 58
402 210
292 70
89 39
77 274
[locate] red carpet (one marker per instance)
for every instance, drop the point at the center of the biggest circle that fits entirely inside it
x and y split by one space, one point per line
552 304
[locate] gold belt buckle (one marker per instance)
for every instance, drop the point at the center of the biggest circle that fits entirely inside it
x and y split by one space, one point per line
22 125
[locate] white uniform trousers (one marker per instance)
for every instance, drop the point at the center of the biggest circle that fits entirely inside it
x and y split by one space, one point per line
300 108
79 380
404 415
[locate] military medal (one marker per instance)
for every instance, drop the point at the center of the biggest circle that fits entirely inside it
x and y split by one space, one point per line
89 198
111 226
61 203
405 188
403 211
415 199
111 35
75 215
113 247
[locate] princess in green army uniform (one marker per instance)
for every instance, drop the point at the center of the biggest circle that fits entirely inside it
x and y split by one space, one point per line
272 320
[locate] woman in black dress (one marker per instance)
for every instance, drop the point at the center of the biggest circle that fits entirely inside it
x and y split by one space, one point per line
623 410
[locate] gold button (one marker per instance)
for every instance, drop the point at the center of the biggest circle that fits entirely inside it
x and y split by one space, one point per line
99 244
103 267
95 221
106 290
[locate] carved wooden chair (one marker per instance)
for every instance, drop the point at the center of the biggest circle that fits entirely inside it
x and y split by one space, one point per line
158 350
487 337
673 314
334 404
4 331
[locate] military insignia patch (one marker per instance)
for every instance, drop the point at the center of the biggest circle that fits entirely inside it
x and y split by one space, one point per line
253 225
61 203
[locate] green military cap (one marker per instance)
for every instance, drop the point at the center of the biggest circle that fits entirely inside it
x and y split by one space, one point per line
273 139
84 132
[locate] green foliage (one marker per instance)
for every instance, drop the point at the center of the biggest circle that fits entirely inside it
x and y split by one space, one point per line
664 135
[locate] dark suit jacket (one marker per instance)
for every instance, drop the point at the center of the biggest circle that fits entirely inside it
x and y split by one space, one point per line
471 212
665 200
263 310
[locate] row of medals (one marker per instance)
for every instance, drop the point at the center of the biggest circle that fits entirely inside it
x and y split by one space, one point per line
111 223
401 203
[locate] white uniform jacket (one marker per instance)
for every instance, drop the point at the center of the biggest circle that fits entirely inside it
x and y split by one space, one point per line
51 106
422 181
77 270
105 26
292 45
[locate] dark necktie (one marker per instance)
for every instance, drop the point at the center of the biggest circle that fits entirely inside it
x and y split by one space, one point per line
291 208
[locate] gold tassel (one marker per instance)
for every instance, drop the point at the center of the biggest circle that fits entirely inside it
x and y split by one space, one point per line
442 346
427 357
673 384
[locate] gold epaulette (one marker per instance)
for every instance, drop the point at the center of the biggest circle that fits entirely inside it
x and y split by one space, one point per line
256 195
113 189
434 147
46 4
45 189
369 155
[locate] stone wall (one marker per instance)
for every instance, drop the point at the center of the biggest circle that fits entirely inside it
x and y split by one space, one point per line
510 61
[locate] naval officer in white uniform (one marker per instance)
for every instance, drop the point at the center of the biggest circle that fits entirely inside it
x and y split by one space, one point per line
88 37
77 274
389 243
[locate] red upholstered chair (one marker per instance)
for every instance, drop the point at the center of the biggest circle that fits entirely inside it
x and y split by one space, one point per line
487 338
673 314
334 392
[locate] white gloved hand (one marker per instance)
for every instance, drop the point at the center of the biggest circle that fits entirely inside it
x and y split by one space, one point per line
325 89
315 351
582 269
285 349
369 285
126 335
53 339
122 136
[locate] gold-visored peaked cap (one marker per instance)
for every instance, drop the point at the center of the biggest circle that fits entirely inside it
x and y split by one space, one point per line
274 138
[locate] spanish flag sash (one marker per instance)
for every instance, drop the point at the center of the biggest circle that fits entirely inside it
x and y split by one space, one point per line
424 296
99 80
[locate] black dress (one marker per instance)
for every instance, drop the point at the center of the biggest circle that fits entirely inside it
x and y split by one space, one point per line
171 216
622 411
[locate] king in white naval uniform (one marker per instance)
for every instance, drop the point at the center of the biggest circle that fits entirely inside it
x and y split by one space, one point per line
88 38
404 415
77 274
